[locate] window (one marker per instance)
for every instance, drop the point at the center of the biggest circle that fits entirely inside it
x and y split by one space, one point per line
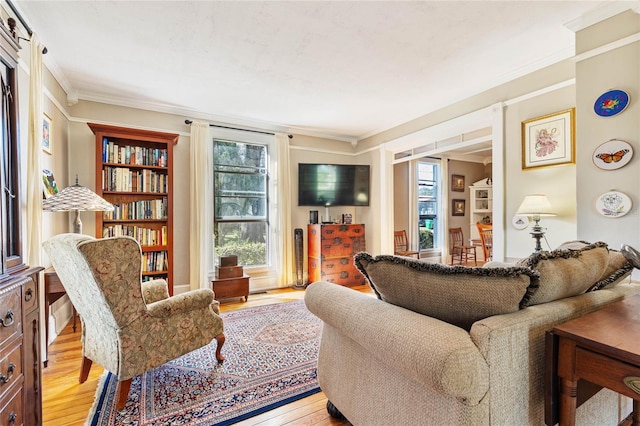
428 204
241 219
9 168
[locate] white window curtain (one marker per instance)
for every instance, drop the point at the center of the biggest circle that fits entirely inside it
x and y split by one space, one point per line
34 148
284 266
201 215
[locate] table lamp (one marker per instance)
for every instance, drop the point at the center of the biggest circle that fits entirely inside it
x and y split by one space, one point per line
76 198
536 206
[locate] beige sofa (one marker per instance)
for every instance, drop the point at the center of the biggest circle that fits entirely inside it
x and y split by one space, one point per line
384 364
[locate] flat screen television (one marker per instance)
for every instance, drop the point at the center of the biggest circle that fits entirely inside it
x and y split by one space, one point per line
333 185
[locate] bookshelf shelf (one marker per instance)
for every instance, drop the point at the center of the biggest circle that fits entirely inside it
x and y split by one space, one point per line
134 171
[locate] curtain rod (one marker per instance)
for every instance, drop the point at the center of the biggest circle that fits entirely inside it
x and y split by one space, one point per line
234 128
24 24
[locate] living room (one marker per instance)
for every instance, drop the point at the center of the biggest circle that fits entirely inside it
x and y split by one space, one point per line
607 56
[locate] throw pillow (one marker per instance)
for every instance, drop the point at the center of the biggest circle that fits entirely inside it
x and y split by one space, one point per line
458 295
618 268
566 272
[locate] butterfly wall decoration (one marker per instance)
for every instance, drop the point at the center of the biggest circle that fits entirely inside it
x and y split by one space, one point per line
612 154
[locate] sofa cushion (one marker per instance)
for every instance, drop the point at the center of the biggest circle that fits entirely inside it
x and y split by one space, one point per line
455 294
566 272
618 268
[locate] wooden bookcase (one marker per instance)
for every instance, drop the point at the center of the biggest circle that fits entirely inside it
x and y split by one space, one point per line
134 171
331 249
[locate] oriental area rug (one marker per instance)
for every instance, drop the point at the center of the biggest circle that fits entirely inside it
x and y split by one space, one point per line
271 355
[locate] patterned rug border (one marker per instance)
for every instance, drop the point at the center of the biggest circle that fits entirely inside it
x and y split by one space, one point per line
108 379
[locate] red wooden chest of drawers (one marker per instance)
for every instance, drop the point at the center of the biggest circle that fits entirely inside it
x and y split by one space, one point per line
331 249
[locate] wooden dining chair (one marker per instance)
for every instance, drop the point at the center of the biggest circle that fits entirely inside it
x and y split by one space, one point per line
458 249
486 236
401 245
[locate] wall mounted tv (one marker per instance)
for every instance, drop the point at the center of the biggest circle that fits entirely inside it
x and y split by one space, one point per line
333 185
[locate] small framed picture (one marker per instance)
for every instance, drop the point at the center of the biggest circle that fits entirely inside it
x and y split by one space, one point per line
46 133
457 183
49 185
457 207
549 140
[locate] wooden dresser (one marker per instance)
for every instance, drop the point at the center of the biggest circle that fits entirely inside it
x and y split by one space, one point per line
331 250
20 359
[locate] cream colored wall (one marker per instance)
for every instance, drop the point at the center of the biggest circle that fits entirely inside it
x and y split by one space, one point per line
558 183
401 196
616 69
472 172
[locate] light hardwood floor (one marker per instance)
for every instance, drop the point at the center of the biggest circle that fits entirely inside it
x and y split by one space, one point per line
67 402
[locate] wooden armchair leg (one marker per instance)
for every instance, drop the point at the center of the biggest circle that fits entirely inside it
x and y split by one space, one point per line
220 340
123 393
84 369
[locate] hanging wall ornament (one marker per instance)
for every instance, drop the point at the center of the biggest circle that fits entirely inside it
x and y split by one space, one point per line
613 204
611 103
613 154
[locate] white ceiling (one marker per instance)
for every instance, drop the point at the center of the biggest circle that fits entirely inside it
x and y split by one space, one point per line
342 69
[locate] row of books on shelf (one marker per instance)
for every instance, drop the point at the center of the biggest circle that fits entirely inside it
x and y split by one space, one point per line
126 180
135 155
153 261
139 210
145 236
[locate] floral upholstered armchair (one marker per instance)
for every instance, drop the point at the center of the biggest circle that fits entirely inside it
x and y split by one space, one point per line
129 327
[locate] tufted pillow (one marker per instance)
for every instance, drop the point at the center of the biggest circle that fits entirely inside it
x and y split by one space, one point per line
618 268
566 272
455 294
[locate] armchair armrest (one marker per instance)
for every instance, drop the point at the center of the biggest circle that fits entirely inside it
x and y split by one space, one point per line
154 290
185 302
439 355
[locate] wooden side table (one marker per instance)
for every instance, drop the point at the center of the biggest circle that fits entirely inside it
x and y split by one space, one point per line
603 348
226 288
53 290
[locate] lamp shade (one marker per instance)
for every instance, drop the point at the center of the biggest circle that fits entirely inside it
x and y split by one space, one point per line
535 205
78 198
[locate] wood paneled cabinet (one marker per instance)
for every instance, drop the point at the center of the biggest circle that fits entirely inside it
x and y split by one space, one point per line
134 171
20 358
20 331
331 249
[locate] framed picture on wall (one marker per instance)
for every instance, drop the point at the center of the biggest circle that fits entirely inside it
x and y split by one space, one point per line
549 140
457 207
46 133
457 183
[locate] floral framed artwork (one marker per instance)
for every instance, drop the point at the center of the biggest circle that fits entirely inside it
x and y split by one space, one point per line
457 207
549 140
457 183
46 133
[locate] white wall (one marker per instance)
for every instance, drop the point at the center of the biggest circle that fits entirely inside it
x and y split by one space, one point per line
618 68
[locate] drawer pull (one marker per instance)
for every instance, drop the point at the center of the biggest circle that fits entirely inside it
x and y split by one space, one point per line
12 418
633 383
28 295
8 319
5 379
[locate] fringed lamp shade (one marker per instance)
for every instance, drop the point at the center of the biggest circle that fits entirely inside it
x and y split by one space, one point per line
76 198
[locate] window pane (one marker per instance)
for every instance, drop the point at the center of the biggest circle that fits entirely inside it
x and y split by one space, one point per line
247 240
240 207
240 184
238 156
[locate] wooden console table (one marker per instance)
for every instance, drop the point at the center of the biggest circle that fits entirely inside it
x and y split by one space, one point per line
53 290
602 348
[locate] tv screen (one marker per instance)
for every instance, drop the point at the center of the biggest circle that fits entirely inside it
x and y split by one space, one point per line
333 185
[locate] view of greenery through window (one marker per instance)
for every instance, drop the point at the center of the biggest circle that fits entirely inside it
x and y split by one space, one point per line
427 203
240 201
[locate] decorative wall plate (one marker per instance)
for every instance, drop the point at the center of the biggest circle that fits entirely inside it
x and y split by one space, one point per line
520 222
612 154
611 103
613 204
